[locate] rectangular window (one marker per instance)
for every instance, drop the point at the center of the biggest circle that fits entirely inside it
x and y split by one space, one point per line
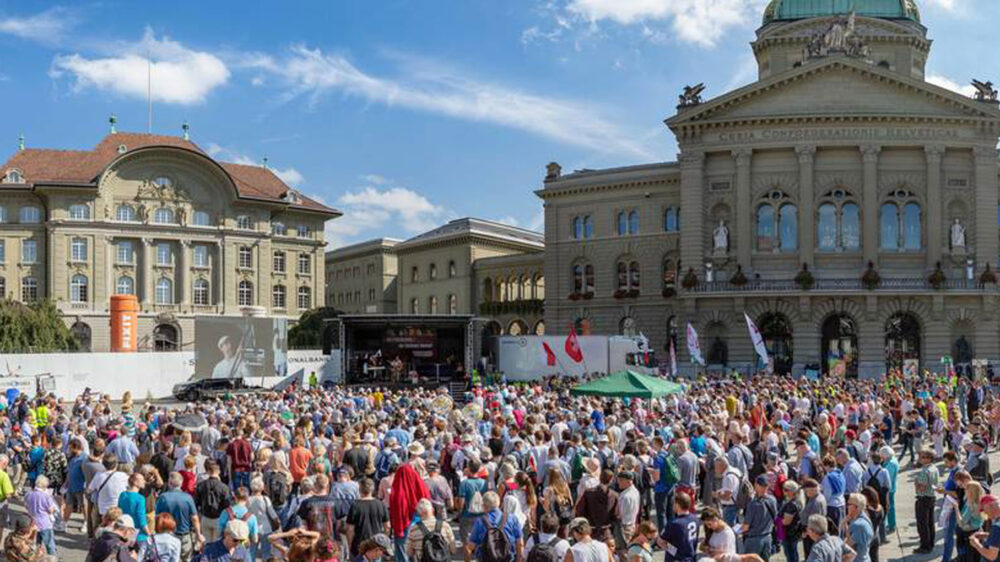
302 230
201 292
164 254
78 250
279 262
305 298
278 296
243 222
201 256
29 289
246 257
305 264
126 254
3 252
29 251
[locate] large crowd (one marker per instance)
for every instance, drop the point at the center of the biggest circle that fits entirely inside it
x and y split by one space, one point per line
732 469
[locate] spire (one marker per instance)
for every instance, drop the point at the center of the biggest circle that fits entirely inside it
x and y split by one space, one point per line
113 121
264 162
20 141
185 127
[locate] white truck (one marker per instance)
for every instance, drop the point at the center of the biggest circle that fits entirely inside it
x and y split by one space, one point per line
523 358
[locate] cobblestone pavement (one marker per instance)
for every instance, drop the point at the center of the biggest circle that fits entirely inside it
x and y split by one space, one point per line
72 545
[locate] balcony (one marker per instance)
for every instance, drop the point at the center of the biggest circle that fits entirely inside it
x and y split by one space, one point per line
890 285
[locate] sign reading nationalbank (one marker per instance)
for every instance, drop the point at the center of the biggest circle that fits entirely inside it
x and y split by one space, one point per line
832 133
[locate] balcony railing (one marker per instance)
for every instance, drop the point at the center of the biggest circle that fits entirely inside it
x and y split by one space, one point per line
912 284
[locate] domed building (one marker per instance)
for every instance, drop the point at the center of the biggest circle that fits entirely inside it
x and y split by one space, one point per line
845 204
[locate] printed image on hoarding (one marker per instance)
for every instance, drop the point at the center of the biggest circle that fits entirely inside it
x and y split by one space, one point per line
228 347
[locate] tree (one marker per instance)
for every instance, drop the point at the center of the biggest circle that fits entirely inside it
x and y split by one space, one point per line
33 328
308 333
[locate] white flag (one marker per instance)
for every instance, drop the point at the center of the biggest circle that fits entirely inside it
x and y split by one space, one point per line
694 348
756 338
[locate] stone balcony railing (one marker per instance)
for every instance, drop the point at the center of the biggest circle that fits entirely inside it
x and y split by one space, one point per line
890 285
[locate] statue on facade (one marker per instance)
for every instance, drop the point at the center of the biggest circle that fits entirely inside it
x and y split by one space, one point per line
721 237
691 95
985 91
840 37
957 235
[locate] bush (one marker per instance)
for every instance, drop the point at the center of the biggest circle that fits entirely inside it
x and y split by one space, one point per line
804 278
308 333
33 328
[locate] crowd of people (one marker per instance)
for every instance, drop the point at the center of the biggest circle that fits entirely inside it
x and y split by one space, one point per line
732 470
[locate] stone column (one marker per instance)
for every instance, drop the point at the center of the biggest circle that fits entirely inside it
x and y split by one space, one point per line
987 245
744 236
148 256
934 211
218 269
692 212
184 277
807 214
869 213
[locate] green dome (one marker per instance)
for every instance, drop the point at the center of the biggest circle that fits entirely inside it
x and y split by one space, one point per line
783 10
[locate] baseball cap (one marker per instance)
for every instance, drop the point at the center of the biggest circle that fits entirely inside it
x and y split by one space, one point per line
761 480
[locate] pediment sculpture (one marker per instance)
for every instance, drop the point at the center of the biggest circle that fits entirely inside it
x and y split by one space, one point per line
840 37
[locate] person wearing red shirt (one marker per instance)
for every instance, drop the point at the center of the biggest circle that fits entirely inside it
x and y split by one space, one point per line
240 457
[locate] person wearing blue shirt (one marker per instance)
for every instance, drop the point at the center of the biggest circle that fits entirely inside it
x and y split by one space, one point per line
680 538
180 505
860 533
124 448
833 490
663 488
229 547
76 481
852 470
597 417
495 518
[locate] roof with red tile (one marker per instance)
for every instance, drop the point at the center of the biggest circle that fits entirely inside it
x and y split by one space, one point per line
83 167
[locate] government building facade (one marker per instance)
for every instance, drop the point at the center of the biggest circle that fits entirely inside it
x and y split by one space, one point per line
156 217
845 204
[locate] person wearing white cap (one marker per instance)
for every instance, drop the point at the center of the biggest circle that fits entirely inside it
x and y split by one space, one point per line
112 545
232 545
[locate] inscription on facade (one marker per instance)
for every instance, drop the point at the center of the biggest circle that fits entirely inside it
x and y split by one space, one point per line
846 133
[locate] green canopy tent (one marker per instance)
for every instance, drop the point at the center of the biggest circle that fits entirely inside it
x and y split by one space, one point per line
630 384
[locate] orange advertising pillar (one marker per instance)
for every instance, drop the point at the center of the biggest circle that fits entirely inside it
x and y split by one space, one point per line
124 323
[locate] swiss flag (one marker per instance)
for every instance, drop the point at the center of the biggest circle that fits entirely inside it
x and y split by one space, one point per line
573 346
550 356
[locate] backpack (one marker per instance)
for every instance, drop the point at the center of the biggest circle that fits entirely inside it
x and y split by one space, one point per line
673 475
744 491
276 488
880 489
496 545
543 551
836 483
434 547
244 518
383 462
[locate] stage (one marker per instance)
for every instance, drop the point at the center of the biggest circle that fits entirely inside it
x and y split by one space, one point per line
429 349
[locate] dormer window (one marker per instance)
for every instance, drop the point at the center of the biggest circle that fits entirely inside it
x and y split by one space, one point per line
122 149
293 196
162 181
13 176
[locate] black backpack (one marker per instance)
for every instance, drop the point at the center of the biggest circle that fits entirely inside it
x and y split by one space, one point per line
276 487
544 551
880 489
496 545
434 547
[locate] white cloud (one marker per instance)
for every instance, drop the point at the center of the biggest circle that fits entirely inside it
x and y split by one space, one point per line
432 88
536 222
949 5
371 209
702 22
945 82
289 175
49 26
179 75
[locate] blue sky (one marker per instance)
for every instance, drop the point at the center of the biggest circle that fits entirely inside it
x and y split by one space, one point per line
404 113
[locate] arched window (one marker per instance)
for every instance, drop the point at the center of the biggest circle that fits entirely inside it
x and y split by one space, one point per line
81 333
851 227
164 291
245 293
164 215
452 270
826 227
540 328
669 274
633 275
201 218
633 222
539 291
889 226
433 272
588 227
622 225
125 286
513 289
201 295
912 236
30 214
78 289
622 276
432 305
577 228
305 298
414 275
788 227
414 306
583 278
452 304
588 278
165 338
79 212
125 213
671 220
488 290
278 296
765 227
578 278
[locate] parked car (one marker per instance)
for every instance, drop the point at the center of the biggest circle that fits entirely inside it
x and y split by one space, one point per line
192 391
